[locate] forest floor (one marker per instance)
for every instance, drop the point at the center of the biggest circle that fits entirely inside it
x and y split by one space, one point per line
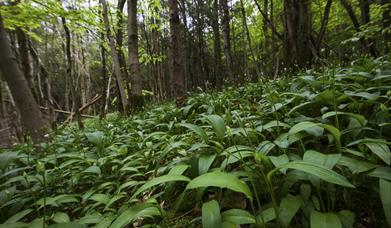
311 150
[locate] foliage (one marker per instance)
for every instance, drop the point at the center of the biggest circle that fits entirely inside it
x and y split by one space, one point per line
312 150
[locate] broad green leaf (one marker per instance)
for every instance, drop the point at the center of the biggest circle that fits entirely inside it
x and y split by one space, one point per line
160 180
309 127
211 217
19 216
324 220
385 196
96 137
320 171
204 162
130 214
93 169
358 117
61 217
267 215
381 150
218 125
288 209
356 166
222 180
238 217
100 198
381 172
265 147
7 158
198 130
280 160
347 218
327 160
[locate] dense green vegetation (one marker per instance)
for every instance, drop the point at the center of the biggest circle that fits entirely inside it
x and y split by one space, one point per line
310 150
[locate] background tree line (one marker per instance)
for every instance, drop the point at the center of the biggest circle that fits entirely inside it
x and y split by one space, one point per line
62 60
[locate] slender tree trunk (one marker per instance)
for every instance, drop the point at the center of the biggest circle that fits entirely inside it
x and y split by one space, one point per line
136 96
225 21
250 46
70 76
217 45
177 75
323 26
356 24
31 116
117 66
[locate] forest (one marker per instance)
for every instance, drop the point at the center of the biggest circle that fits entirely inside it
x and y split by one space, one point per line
195 113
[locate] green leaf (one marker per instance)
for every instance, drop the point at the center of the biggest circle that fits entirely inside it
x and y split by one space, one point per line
325 220
18 216
358 117
320 171
222 180
96 137
130 214
288 208
356 166
61 217
267 215
381 150
204 162
211 217
198 130
347 218
265 147
327 160
280 160
218 125
160 180
385 196
238 217
381 172
93 169
7 158
309 127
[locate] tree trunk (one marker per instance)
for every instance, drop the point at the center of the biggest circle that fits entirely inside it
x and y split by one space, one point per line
244 18
117 67
323 26
177 76
297 25
225 21
76 99
217 45
136 96
31 116
356 24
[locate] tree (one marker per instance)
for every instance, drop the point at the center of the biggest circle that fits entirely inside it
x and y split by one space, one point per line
297 32
31 116
177 75
225 21
114 55
136 96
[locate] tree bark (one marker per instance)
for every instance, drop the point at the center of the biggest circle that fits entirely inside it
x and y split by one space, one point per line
356 24
297 34
31 116
76 99
177 75
323 26
225 21
136 96
217 45
117 67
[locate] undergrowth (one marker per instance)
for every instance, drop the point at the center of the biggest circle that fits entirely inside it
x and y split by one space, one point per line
311 150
